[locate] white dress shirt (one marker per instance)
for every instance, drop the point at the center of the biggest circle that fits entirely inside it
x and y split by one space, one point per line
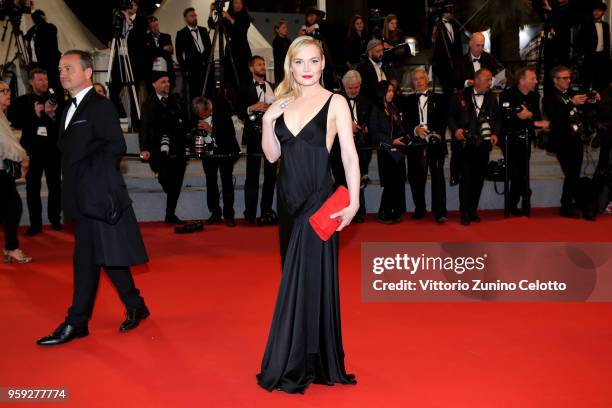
379 72
600 37
197 38
449 30
79 97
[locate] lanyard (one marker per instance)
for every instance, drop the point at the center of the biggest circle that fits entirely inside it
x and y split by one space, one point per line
422 110
476 107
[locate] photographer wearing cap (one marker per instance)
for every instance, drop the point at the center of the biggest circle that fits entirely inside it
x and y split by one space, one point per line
36 114
162 140
474 123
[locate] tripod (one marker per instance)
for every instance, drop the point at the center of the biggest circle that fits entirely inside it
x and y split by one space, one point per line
21 50
218 38
119 47
440 28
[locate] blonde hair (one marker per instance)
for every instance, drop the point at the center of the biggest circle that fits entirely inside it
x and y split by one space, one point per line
289 86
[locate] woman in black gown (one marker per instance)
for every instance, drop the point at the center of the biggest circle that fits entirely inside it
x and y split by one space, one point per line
280 45
305 341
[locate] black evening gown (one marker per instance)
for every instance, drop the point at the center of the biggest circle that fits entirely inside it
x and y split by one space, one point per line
305 341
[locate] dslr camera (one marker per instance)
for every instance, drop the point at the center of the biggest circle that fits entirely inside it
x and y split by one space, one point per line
204 144
256 119
484 126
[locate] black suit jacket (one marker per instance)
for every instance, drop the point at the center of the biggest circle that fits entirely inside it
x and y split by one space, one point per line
369 79
558 113
247 96
587 37
436 118
364 110
154 51
462 114
45 44
187 52
464 67
93 189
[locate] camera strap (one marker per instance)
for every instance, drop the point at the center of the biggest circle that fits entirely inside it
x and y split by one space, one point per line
477 107
422 110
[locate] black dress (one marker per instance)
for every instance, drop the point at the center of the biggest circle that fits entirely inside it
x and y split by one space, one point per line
305 342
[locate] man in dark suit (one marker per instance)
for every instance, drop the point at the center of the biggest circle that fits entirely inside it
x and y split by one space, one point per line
471 112
159 51
594 38
192 52
425 123
218 126
475 59
372 70
360 108
43 50
95 197
562 107
447 47
162 140
36 114
253 99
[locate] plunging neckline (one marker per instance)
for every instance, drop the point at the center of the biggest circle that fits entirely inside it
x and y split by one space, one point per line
307 123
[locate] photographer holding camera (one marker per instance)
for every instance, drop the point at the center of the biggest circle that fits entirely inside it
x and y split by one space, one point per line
474 123
563 108
254 98
520 108
425 122
36 114
42 46
219 152
162 140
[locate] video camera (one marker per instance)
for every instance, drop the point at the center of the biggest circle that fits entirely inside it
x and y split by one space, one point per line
440 7
119 17
14 9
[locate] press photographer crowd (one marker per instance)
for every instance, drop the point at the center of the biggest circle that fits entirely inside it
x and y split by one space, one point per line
411 117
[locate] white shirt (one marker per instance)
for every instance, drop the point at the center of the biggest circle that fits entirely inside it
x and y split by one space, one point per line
478 101
476 67
379 72
197 38
268 96
600 38
422 102
449 30
353 105
79 97
33 48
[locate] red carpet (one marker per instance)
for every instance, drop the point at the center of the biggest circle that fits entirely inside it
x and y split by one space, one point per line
211 296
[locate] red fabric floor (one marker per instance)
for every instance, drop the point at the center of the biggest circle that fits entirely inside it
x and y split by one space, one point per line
212 294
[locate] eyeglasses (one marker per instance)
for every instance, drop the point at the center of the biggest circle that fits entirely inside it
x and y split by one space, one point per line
5 91
565 78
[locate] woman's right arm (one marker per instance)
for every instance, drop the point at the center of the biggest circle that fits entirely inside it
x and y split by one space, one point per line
269 142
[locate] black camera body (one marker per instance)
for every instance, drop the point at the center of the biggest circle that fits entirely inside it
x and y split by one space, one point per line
119 17
256 119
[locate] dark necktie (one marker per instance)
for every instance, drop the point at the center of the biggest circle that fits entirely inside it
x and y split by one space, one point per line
419 94
164 101
74 102
476 60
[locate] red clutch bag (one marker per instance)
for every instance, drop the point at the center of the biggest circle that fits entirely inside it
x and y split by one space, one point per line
320 221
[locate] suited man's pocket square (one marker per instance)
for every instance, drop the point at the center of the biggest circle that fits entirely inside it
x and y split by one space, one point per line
80 121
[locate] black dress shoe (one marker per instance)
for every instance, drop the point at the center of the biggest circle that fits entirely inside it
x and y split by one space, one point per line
589 216
230 222
465 219
418 215
63 334
474 217
174 220
568 213
516 212
133 318
57 226
33 231
214 219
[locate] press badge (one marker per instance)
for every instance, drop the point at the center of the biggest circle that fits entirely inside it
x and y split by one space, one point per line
42 131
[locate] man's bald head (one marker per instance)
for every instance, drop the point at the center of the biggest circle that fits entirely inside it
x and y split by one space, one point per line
477 43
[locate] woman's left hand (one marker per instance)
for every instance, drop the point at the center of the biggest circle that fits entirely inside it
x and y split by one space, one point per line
25 166
344 216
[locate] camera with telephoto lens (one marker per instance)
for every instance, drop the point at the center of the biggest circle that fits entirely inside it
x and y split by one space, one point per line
14 10
509 113
164 145
119 17
440 7
256 119
204 144
49 96
485 126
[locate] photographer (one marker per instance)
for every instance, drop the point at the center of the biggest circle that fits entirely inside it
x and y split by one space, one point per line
192 52
361 108
475 59
474 125
563 109
520 108
425 122
447 44
254 98
594 44
216 128
236 21
162 141
43 50
159 50
37 115
372 70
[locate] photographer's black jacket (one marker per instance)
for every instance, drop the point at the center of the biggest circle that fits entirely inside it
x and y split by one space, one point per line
154 51
462 113
464 67
158 120
247 96
436 116
223 129
21 115
558 113
515 99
